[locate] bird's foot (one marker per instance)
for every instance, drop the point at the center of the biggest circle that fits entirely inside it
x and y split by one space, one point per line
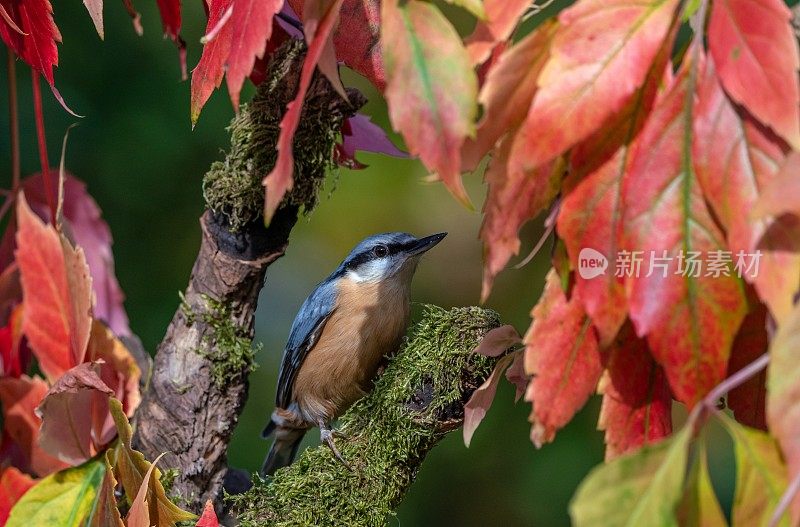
326 435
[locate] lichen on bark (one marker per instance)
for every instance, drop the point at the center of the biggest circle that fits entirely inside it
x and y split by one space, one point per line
417 400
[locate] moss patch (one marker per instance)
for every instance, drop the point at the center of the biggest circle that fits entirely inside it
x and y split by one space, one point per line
233 187
417 400
229 346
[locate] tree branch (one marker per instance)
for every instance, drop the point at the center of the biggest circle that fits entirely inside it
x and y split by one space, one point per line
199 380
417 400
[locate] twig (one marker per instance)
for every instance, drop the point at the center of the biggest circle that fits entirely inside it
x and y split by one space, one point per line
13 119
42 140
786 499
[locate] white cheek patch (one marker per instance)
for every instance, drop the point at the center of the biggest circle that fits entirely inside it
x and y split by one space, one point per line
370 272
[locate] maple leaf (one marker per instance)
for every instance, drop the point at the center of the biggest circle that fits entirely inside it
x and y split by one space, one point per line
13 485
690 317
13 350
36 44
501 17
170 11
599 57
208 73
431 87
57 291
20 397
279 180
512 200
748 400
780 196
563 358
737 162
209 517
637 403
755 50
70 427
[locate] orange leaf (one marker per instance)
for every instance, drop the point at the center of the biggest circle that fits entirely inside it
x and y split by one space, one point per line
279 180
139 514
431 87
57 291
755 50
20 397
13 484
563 358
598 60
689 316
637 403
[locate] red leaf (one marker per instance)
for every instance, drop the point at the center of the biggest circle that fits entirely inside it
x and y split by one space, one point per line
57 291
513 199
13 352
279 180
637 402
38 46
690 321
755 50
748 400
209 517
563 358
13 485
508 91
496 341
782 194
502 16
208 73
20 397
171 21
481 399
251 28
598 60
431 87
69 414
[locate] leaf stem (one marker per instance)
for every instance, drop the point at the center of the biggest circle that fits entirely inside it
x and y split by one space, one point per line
784 502
13 120
42 140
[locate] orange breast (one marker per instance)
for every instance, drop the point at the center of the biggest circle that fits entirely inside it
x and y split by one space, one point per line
368 323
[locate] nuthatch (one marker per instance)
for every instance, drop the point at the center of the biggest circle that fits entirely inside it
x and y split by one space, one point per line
343 330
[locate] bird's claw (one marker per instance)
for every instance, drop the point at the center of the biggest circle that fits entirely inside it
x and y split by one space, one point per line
326 436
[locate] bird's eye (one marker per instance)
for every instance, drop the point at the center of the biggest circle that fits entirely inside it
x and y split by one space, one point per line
380 251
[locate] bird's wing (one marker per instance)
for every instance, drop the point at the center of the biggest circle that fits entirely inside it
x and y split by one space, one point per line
306 329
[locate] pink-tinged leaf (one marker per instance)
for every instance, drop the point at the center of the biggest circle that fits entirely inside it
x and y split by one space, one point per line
13 485
431 87
755 50
481 399
208 73
139 514
515 374
689 317
637 403
782 194
95 9
68 412
783 396
83 223
209 517
57 291
502 16
563 358
328 65
496 341
599 58
251 25
171 21
279 180
20 397
508 91
513 199
738 160
748 400
360 134
37 46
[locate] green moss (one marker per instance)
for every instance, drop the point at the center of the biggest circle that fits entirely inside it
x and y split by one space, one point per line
233 187
229 346
417 400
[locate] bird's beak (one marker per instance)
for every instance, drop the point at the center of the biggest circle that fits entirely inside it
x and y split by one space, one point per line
424 244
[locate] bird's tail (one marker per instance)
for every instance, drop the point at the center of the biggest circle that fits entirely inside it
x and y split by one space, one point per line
283 449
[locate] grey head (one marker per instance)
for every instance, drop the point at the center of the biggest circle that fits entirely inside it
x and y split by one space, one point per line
385 255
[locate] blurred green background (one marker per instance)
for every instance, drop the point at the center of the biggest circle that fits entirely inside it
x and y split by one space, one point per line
143 164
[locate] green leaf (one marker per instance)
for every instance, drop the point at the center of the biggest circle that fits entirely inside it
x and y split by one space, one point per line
700 507
63 499
760 475
634 490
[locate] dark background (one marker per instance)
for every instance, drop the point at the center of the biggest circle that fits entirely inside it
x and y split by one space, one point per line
143 164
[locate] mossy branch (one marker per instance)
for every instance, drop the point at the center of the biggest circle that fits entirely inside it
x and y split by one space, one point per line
418 399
